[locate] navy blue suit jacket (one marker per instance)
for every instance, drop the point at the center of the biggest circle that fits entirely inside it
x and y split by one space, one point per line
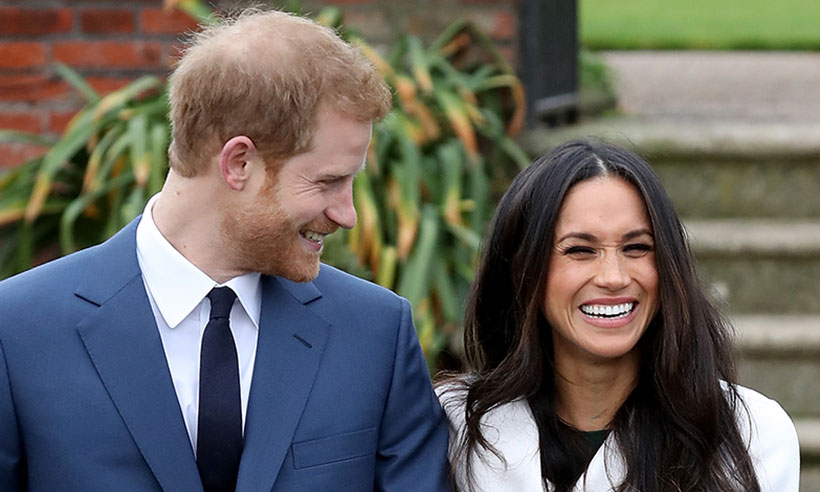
340 400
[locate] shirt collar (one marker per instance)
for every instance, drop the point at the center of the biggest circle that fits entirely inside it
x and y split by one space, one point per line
176 284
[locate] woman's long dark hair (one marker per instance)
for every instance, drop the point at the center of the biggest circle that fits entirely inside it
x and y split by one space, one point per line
677 430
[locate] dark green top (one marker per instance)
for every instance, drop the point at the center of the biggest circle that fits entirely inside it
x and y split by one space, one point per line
593 440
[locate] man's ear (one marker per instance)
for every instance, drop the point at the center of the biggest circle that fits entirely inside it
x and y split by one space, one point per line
234 161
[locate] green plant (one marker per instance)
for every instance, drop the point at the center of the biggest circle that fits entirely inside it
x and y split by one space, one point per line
423 199
92 181
425 195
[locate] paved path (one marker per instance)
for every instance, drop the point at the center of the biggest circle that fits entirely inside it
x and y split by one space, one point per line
771 87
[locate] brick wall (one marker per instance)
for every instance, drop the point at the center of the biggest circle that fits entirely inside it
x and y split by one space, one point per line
111 42
108 42
381 21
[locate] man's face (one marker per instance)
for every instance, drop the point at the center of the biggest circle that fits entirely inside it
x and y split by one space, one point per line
281 231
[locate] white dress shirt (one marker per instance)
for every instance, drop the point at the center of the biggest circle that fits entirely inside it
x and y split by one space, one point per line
177 291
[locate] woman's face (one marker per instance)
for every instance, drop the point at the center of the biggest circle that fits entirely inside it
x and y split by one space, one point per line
602 283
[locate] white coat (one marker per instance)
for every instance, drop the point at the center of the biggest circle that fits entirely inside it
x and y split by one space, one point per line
510 428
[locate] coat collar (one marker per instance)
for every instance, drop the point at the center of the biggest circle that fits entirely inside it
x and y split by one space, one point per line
604 470
292 340
123 342
512 431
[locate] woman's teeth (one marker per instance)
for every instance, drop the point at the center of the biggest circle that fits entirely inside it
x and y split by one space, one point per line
609 310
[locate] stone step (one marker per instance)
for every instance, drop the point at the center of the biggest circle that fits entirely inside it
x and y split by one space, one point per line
760 265
780 357
809 477
781 335
716 168
773 187
808 433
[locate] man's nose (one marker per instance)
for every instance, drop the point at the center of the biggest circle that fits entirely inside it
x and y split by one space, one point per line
342 211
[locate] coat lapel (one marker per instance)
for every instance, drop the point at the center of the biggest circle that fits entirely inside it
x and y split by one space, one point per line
123 343
606 468
291 343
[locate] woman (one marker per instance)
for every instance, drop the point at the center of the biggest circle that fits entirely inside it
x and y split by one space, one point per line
597 362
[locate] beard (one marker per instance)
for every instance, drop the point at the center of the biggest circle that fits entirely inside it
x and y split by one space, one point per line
265 239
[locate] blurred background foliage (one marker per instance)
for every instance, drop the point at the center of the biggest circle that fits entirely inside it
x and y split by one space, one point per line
435 167
700 24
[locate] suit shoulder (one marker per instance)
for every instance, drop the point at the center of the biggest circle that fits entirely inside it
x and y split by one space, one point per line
59 274
39 301
333 280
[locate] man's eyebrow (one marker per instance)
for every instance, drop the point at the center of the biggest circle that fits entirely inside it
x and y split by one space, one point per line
329 176
586 236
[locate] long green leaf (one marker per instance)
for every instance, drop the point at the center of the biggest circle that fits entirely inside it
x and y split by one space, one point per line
467 236
159 157
77 206
139 156
115 101
91 178
419 64
76 80
449 33
330 17
8 253
25 245
415 282
386 276
202 12
480 195
13 136
56 157
445 291
133 205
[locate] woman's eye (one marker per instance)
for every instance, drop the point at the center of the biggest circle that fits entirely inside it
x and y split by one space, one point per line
579 251
638 249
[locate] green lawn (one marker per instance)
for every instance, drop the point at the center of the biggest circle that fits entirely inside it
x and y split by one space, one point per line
700 24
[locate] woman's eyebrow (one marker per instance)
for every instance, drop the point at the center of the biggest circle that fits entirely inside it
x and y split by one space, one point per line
586 236
578 235
636 233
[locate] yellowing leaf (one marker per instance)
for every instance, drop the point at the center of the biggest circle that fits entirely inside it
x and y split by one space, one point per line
42 187
406 90
459 122
374 57
142 169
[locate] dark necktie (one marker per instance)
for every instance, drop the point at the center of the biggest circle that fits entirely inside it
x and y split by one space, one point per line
219 435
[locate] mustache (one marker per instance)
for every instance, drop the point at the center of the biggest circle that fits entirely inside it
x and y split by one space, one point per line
321 225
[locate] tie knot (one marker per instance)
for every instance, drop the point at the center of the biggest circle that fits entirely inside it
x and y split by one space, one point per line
221 301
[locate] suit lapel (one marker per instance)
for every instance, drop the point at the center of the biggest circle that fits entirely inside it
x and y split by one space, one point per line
291 343
123 343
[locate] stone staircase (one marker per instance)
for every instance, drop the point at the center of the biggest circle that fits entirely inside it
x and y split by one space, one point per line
749 194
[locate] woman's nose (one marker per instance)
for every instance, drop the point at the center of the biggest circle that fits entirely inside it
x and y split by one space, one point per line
611 274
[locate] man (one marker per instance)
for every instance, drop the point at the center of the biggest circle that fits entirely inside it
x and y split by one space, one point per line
125 367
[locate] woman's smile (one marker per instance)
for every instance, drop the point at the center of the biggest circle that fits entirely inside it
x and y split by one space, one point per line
602 282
